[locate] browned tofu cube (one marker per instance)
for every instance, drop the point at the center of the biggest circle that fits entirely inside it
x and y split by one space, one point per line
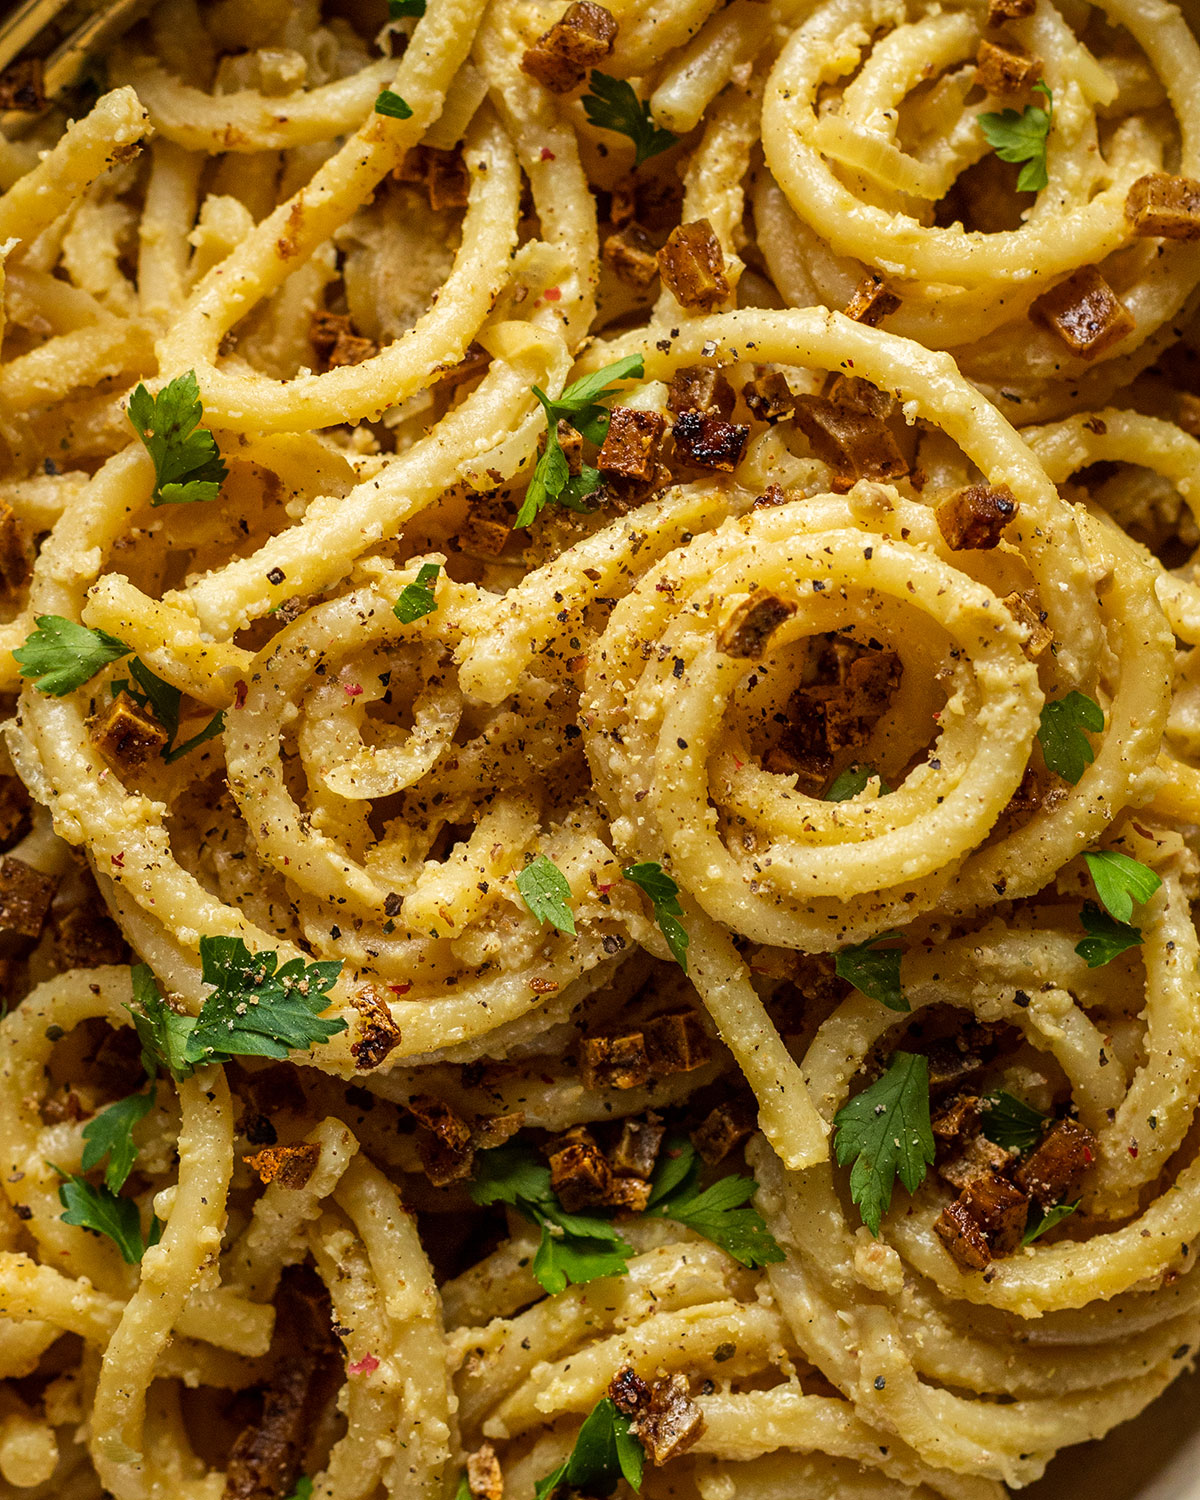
1009 10
1085 313
673 1423
289 1166
16 810
335 343
126 735
963 1237
579 1171
86 937
582 39
631 444
703 389
376 1033
1000 1209
1054 1173
1162 205
1027 610
615 1062
636 1153
14 560
677 1043
692 264
25 895
873 300
973 519
1006 69
629 1194
850 437
769 396
629 253
753 622
485 1480
443 174
723 1128
709 442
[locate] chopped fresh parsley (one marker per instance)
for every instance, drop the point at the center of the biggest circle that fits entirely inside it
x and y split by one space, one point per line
581 405
398 9
1120 881
885 1132
1040 1221
60 656
393 106
1012 1123
853 780
1106 938
255 1009
874 971
605 1451
664 897
110 1134
164 702
1065 747
613 105
1022 135
187 461
545 892
417 599
463 1492
719 1213
100 1210
304 1485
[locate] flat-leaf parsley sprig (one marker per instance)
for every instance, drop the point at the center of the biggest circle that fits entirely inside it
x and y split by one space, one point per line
874 972
1022 135
650 877
613 105
1120 881
606 1450
720 1212
885 1131
100 1208
1066 750
187 461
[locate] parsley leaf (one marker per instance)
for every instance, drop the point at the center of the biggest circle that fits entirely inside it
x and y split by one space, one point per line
605 1451
1040 1221
579 404
214 727
885 1131
110 1134
1105 938
718 1213
875 972
613 105
1120 881
664 897
60 656
164 702
575 1248
1022 136
304 1489
463 1492
851 781
1012 1123
393 106
187 461
1065 748
545 892
100 1210
255 1009
417 599
398 9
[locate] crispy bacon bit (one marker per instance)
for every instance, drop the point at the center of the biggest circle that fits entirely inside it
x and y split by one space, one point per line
677 1043
582 39
768 395
709 442
1009 10
1164 205
703 389
484 1478
692 264
753 622
722 1129
973 518
1006 68
442 173
579 1171
1000 1210
86 937
636 1153
377 1032
962 1237
289 1166
14 562
335 343
22 86
631 445
25 895
1054 1172
445 1146
629 253
1026 609
873 300
662 1415
1085 313
847 430
16 810
615 1062
126 735
853 688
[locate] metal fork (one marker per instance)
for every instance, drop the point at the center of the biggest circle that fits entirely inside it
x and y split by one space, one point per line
68 61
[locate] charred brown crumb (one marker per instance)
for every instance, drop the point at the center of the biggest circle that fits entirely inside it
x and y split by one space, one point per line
847 429
636 1153
1085 313
22 86
631 444
663 1416
335 343
957 1060
126 735
749 629
1054 1171
1009 10
482 534
654 201
628 1392
853 689
1005 68
1165 206
709 442
723 1128
493 1130
14 560
474 362
629 253
86 937
579 1171
692 265
1000 1209
61 1107
377 1033
1028 797
628 1195
975 1157
872 301
963 1237
484 1477
974 518
25 896
289 1166
1026 608
957 1120
16 810
443 174
561 56
677 1043
570 441
703 389
615 1062
768 396
445 1144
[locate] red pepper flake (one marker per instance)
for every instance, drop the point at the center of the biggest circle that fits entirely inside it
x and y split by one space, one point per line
604 889
401 989
552 294
547 154
364 1366
119 861
239 693
353 688
1133 1151
737 763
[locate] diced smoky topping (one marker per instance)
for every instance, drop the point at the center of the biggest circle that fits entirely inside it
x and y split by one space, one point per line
289 1166
615 1062
1085 313
583 38
22 86
752 624
126 735
494 1130
486 528
873 300
847 430
768 395
631 445
975 1157
677 1043
692 264
1160 204
484 1478
725 1126
636 1153
1000 1209
1026 608
662 1415
702 389
580 1172
376 1033
1005 68
629 253
959 1059
963 1237
86 937
443 174
14 560
709 442
1009 10
974 518
16 810
1054 1172
335 343
445 1142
